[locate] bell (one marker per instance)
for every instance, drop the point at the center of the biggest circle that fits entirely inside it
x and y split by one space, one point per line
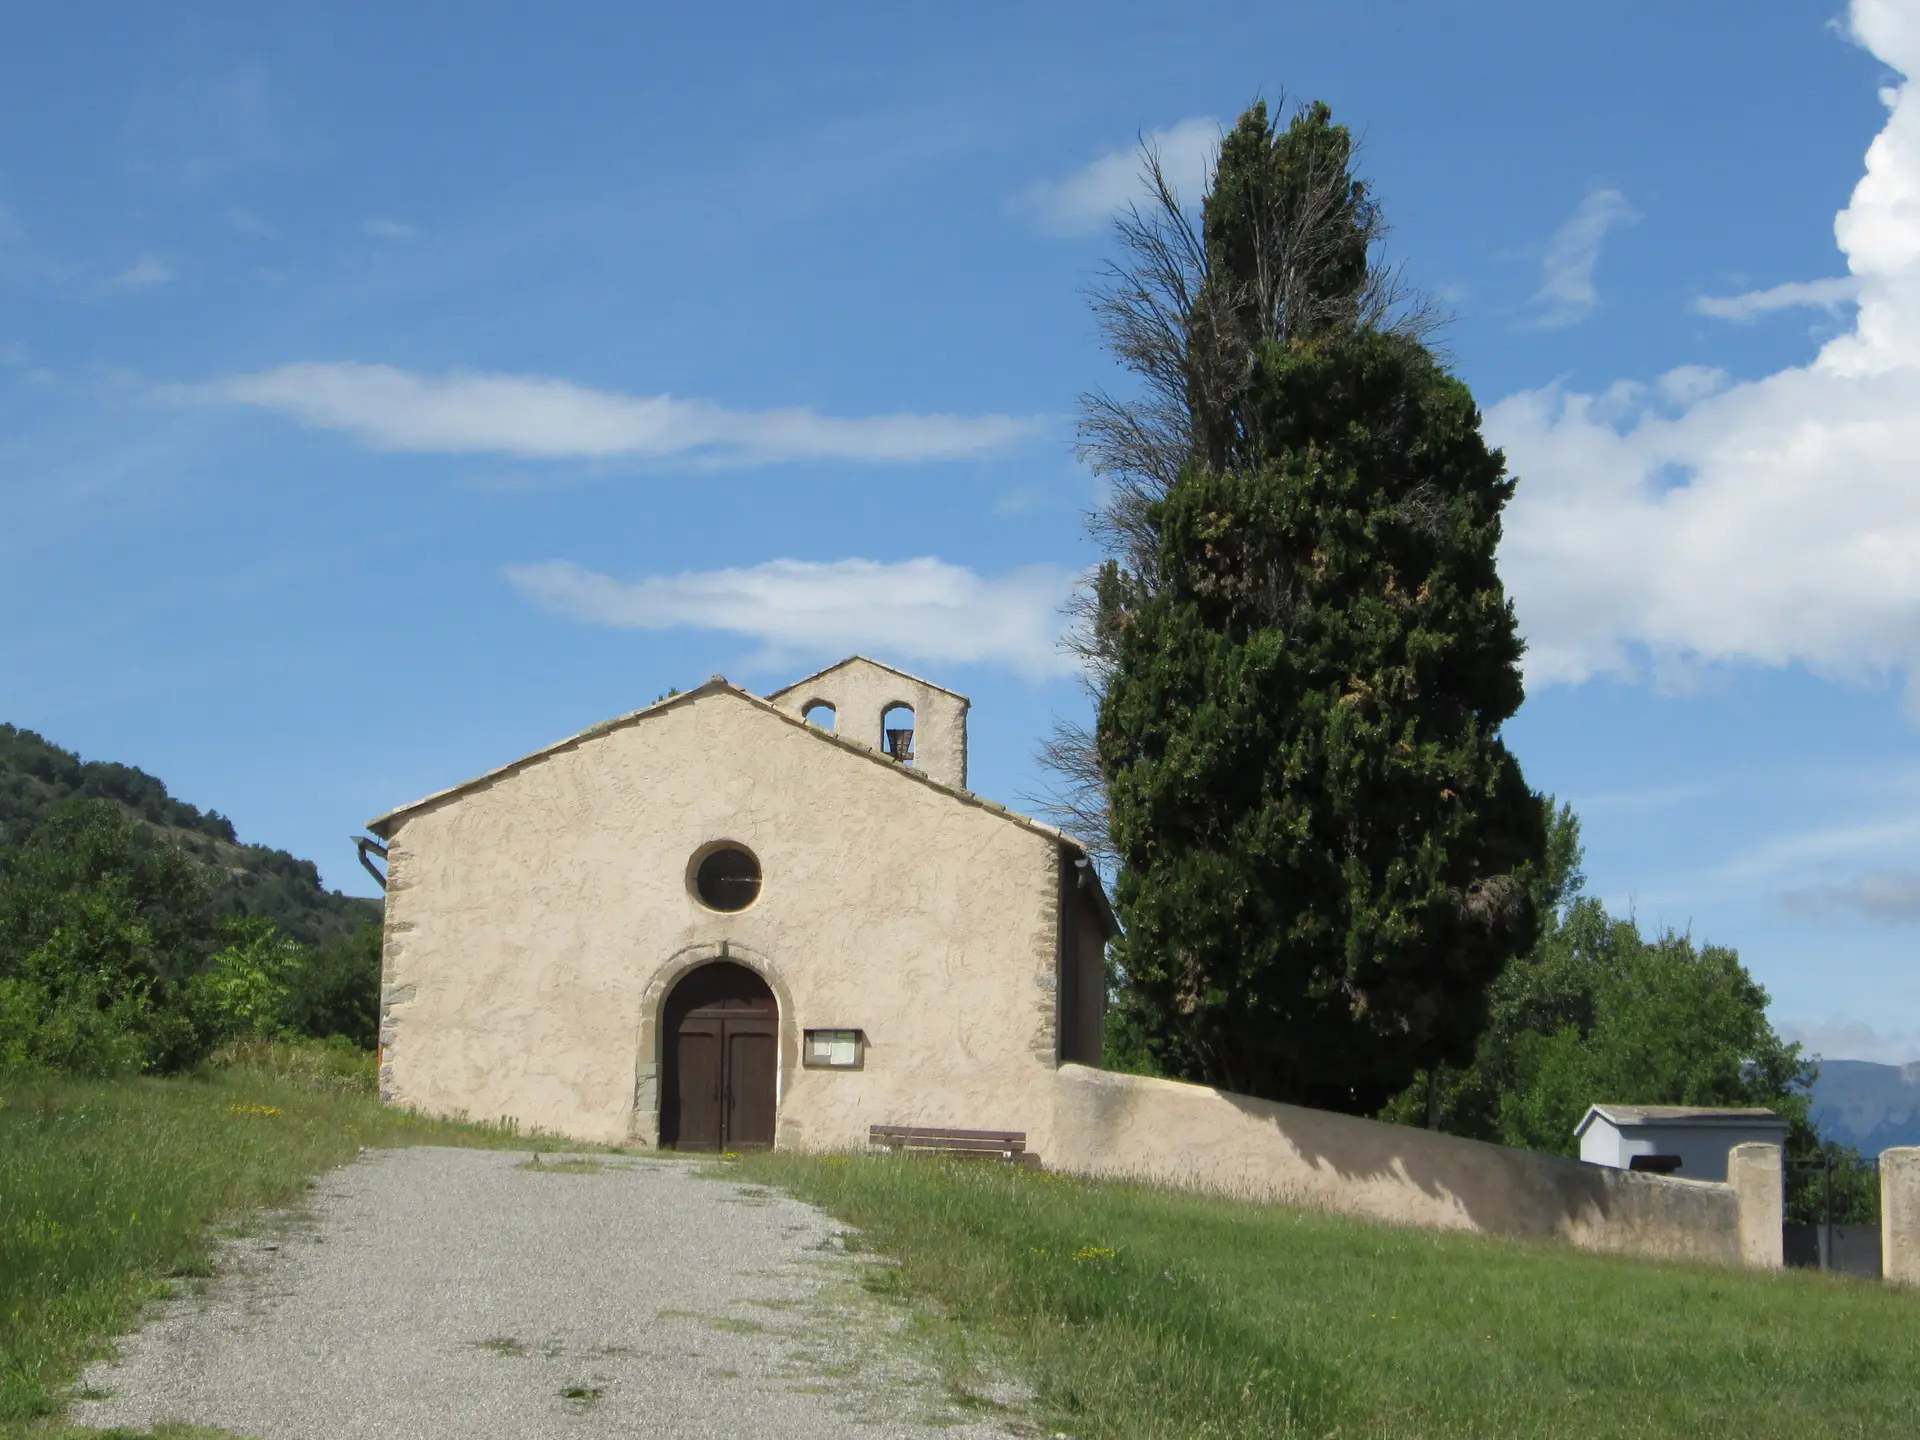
900 745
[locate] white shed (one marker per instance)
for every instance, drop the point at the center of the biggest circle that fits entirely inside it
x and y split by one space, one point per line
1686 1140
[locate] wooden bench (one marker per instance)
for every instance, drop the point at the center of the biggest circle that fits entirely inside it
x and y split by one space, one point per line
1008 1145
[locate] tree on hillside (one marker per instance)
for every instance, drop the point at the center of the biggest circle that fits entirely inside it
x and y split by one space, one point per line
1326 850
102 930
116 957
36 777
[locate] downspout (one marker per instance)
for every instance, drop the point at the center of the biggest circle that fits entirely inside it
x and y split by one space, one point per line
364 843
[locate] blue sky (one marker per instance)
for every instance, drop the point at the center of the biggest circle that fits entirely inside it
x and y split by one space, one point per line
387 391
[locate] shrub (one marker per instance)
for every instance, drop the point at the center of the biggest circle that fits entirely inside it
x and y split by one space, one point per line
335 989
102 929
243 991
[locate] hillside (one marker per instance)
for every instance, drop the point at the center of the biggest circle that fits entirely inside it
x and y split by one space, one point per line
1867 1106
36 775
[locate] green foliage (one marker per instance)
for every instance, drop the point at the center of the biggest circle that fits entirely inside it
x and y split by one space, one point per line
136 933
1287 231
1672 1023
1135 1314
102 929
335 990
245 988
1597 1013
36 777
114 958
1829 1182
1127 1044
1327 852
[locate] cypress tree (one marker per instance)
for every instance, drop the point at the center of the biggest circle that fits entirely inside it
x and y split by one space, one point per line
1326 851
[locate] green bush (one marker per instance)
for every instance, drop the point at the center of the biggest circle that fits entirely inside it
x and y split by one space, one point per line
335 989
115 960
102 932
243 990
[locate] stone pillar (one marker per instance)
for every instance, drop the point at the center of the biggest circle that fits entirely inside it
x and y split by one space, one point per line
1900 1215
1758 1191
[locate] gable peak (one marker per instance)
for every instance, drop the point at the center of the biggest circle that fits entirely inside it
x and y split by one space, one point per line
867 661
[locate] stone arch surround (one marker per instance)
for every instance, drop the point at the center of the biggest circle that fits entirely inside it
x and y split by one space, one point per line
650 1056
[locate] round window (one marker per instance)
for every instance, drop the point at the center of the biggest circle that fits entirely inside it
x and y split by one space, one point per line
727 878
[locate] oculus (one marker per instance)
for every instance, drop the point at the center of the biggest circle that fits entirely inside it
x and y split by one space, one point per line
727 877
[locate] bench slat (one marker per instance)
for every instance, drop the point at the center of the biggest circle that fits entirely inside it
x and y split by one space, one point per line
984 1147
924 1132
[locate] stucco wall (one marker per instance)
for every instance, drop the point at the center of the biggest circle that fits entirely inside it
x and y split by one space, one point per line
1198 1138
533 921
860 692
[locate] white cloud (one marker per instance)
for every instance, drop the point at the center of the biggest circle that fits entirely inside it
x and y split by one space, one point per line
536 417
1828 295
1088 198
1839 1038
1794 856
1775 521
1664 797
1892 896
382 229
919 610
1684 384
1567 295
145 273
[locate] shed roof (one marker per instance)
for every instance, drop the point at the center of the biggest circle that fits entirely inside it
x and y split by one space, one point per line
382 825
1630 1117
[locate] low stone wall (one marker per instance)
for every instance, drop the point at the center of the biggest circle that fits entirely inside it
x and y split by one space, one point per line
1193 1137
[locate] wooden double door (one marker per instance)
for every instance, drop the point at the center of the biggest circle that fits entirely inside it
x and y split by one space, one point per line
723 1060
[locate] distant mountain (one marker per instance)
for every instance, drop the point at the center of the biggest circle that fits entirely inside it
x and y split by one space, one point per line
1870 1107
36 775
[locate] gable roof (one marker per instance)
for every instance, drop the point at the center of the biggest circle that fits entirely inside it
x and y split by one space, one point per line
869 660
382 825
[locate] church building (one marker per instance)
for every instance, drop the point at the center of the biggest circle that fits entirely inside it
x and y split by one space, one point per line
731 920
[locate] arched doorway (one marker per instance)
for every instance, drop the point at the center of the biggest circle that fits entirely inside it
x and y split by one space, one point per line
722 1053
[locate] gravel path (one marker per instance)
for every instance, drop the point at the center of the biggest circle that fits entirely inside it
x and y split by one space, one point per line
470 1293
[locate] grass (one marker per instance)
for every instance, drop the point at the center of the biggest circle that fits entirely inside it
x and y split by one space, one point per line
1143 1313
1130 1312
108 1190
